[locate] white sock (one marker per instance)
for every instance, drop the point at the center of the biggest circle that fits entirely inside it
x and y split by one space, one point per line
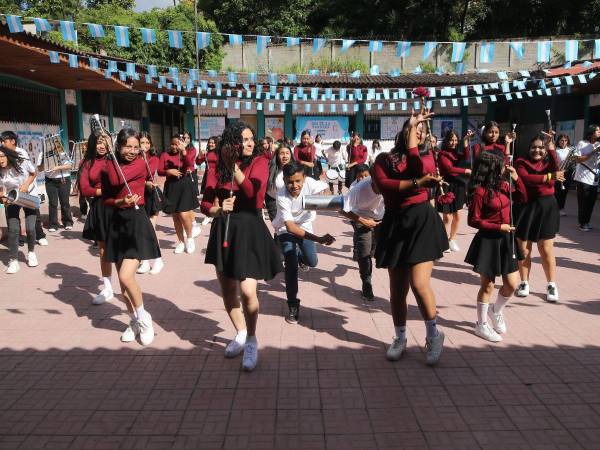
482 310
157 260
251 340
401 332
552 283
240 337
141 312
107 284
526 282
132 316
431 328
501 302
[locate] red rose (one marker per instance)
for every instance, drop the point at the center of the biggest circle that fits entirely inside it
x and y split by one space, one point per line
421 92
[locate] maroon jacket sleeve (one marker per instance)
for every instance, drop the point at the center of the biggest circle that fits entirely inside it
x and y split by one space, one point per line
365 155
210 190
554 163
200 158
447 167
414 162
162 169
189 160
256 178
296 153
476 151
529 178
86 189
475 219
382 180
519 191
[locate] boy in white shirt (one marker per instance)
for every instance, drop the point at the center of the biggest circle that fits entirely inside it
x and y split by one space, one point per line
293 226
363 205
336 160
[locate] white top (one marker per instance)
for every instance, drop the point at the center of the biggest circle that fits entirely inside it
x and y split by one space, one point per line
290 208
374 154
562 153
36 159
279 183
63 158
335 158
11 179
583 174
363 201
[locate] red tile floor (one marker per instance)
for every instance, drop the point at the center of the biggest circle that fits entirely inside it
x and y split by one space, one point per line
66 381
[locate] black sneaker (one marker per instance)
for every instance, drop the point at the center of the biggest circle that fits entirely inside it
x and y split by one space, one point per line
21 241
293 314
367 291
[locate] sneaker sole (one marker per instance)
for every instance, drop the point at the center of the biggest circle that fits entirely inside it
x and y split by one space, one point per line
485 338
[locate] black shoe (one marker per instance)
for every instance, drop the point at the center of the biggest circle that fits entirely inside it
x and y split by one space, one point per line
21 241
367 291
293 314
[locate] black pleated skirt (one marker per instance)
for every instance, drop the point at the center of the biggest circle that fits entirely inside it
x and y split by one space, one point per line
537 220
130 236
491 254
181 195
97 220
409 236
152 205
459 190
251 253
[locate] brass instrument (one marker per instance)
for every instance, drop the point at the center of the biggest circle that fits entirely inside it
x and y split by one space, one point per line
54 152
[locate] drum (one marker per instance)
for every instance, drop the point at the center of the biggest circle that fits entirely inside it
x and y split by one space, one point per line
332 175
24 200
342 174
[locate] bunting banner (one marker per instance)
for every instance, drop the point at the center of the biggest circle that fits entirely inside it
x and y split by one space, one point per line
148 35
95 30
67 29
346 44
202 39
458 51
292 41
375 46
518 49
428 49
403 49
14 23
175 39
318 44
122 35
487 52
235 39
543 51
261 43
42 25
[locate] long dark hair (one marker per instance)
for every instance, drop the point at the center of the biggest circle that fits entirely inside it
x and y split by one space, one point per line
487 170
90 155
215 139
145 134
14 160
230 148
122 137
487 126
400 149
591 129
447 138
560 136
274 164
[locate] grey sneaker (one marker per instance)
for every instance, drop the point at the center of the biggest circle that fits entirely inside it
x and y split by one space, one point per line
250 358
394 352
434 347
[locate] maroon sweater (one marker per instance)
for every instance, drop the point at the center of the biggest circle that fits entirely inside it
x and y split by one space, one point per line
306 154
153 163
488 214
448 161
388 179
535 175
250 195
357 154
175 161
90 178
113 187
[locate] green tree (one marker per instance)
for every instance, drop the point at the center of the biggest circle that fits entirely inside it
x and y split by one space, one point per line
125 4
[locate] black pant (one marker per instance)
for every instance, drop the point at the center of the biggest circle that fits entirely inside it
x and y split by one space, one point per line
586 199
364 240
14 224
562 189
39 230
59 190
83 204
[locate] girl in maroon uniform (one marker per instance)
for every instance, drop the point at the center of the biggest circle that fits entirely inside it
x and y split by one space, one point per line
152 195
243 252
357 155
538 220
491 251
411 235
452 164
489 142
306 154
209 158
130 237
177 165
89 178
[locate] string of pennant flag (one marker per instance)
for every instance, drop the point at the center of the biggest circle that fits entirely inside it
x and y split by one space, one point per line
203 40
294 93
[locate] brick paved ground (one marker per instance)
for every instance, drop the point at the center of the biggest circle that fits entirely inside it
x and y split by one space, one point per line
67 382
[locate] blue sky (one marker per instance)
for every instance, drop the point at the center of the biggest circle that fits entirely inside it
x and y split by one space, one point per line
143 5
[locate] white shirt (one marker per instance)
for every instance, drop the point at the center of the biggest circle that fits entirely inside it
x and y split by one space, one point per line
373 154
63 158
11 179
335 158
583 174
562 153
290 208
35 159
279 183
362 201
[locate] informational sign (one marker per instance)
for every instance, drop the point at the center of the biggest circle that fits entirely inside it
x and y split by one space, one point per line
211 126
441 125
330 128
274 127
391 125
568 127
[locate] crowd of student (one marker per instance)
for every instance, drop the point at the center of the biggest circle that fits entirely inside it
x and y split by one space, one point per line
392 200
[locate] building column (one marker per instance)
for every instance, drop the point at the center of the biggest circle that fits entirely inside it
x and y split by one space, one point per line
111 114
288 121
464 118
360 119
79 116
64 123
190 123
260 124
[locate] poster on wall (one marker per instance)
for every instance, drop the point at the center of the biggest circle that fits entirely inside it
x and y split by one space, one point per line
475 123
568 127
330 128
390 126
274 127
211 126
441 125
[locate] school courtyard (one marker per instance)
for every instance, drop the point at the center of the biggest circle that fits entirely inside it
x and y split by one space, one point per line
67 382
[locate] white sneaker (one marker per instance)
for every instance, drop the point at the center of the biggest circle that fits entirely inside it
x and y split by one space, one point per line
551 294
434 348
144 267
233 349
146 330
13 266
454 246
68 227
190 246
250 358
522 290
394 352
131 332
206 221
51 229
104 296
179 248
196 230
498 323
42 242
157 267
484 331
32 259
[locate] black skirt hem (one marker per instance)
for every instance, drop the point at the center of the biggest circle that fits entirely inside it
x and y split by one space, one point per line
491 254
